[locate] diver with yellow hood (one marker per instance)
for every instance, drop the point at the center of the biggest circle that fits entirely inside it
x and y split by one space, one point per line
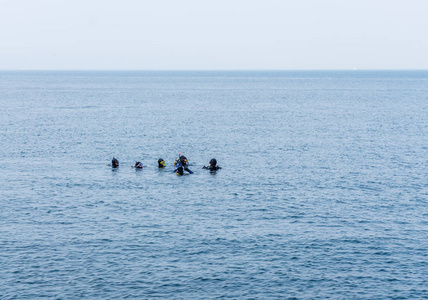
161 163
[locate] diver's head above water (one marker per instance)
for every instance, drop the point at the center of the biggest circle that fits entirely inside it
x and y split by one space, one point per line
184 160
114 163
138 165
213 162
161 163
179 171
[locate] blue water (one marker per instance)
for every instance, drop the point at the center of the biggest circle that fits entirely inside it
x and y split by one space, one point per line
323 191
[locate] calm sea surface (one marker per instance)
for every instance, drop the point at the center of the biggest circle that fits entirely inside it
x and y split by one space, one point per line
323 191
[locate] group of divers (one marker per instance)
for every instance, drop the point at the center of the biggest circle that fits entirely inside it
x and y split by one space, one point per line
181 164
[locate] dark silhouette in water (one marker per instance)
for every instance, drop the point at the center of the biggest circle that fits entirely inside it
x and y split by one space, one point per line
212 166
138 165
114 163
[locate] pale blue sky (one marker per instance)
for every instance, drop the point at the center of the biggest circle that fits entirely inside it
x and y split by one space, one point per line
229 35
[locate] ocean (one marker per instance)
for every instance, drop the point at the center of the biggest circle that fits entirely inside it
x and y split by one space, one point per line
323 191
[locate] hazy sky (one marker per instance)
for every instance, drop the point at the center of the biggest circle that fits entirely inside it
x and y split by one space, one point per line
220 34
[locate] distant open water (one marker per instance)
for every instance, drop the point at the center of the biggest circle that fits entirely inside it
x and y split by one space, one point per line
323 192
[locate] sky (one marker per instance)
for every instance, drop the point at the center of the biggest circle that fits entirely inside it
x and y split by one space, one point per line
213 35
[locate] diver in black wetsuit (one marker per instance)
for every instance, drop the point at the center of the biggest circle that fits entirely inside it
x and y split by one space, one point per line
161 163
213 165
181 166
114 163
138 165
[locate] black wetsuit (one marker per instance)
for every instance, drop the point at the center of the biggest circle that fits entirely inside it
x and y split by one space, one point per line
211 168
114 163
161 163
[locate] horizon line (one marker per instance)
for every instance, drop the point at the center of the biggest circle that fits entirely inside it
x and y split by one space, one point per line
203 70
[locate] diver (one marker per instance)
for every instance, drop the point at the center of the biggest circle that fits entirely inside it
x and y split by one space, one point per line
114 163
181 165
161 163
212 166
138 165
